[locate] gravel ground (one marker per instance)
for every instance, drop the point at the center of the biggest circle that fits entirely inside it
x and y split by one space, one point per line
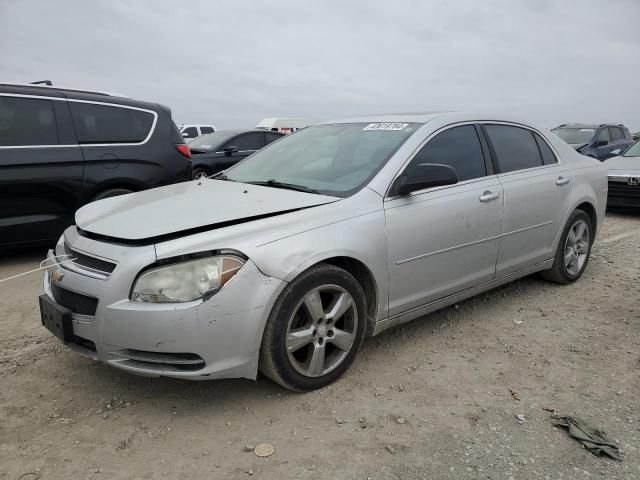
437 398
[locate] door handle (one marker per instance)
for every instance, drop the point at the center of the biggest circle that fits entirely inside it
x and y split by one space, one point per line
489 196
562 181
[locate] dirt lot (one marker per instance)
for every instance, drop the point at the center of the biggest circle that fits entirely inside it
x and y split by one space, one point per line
448 377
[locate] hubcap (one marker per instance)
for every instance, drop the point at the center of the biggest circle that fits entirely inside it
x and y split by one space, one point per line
576 247
322 330
200 175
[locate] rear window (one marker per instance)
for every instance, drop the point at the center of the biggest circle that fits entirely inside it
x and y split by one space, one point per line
106 124
515 147
248 142
548 157
27 121
271 137
616 134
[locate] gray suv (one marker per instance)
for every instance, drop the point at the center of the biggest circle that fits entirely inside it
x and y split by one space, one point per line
596 141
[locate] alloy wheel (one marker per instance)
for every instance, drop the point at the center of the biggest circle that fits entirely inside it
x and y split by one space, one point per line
322 330
576 247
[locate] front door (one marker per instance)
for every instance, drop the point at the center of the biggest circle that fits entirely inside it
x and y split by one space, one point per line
41 169
445 239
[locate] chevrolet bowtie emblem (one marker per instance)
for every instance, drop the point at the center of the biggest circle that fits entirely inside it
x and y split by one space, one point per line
56 276
633 181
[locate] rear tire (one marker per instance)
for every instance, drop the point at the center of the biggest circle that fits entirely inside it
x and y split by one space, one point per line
200 172
315 329
574 249
112 192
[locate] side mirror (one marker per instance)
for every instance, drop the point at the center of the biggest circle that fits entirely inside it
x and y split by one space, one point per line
230 149
615 152
424 175
185 135
602 143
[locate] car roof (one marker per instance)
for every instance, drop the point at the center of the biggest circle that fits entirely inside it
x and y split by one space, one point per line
73 93
420 117
425 117
590 125
240 130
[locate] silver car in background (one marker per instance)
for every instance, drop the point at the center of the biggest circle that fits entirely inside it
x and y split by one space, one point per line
624 178
286 261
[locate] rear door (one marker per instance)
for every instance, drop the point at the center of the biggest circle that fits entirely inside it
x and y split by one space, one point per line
618 139
113 139
41 168
603 151
537 193
445 239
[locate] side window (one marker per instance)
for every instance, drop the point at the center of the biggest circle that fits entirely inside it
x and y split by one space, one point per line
190 132
458 147
548 157
271 137
248 141
515 147
27 121
604 135
615 134
105 124
205 130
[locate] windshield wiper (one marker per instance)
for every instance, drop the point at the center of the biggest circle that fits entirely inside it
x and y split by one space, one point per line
288 186
221 176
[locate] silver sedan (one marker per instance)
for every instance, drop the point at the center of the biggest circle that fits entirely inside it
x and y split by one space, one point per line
286 261
624 178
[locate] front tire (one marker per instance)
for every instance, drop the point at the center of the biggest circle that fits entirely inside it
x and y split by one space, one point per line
574 249
315 329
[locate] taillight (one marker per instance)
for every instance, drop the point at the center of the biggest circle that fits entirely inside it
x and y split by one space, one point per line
184 150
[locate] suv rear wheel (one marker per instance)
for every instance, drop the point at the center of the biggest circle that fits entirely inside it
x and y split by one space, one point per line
200 172
112 192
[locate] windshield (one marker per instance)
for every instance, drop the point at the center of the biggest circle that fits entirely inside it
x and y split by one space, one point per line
575 136
210 140
633 150
336 159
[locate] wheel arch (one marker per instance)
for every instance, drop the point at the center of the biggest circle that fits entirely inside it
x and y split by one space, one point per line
111 184
367 281
590 210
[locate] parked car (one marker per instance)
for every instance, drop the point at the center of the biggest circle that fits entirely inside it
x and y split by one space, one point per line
192 131
217 151
624 178
282 125
596 141
291 257
636 136
63 148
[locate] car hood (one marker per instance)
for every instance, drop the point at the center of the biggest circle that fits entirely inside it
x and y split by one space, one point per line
623 163
189 207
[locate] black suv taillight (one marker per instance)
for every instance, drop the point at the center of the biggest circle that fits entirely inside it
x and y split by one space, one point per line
184 150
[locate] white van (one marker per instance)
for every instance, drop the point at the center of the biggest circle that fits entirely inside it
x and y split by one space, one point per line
283 125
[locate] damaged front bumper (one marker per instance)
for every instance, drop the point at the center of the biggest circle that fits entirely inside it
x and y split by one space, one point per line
203 339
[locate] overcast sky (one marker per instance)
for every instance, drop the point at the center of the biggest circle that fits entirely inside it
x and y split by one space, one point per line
233 62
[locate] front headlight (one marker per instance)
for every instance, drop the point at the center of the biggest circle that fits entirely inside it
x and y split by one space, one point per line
185 281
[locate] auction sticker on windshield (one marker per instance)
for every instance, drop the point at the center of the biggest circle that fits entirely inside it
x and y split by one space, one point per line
386 126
